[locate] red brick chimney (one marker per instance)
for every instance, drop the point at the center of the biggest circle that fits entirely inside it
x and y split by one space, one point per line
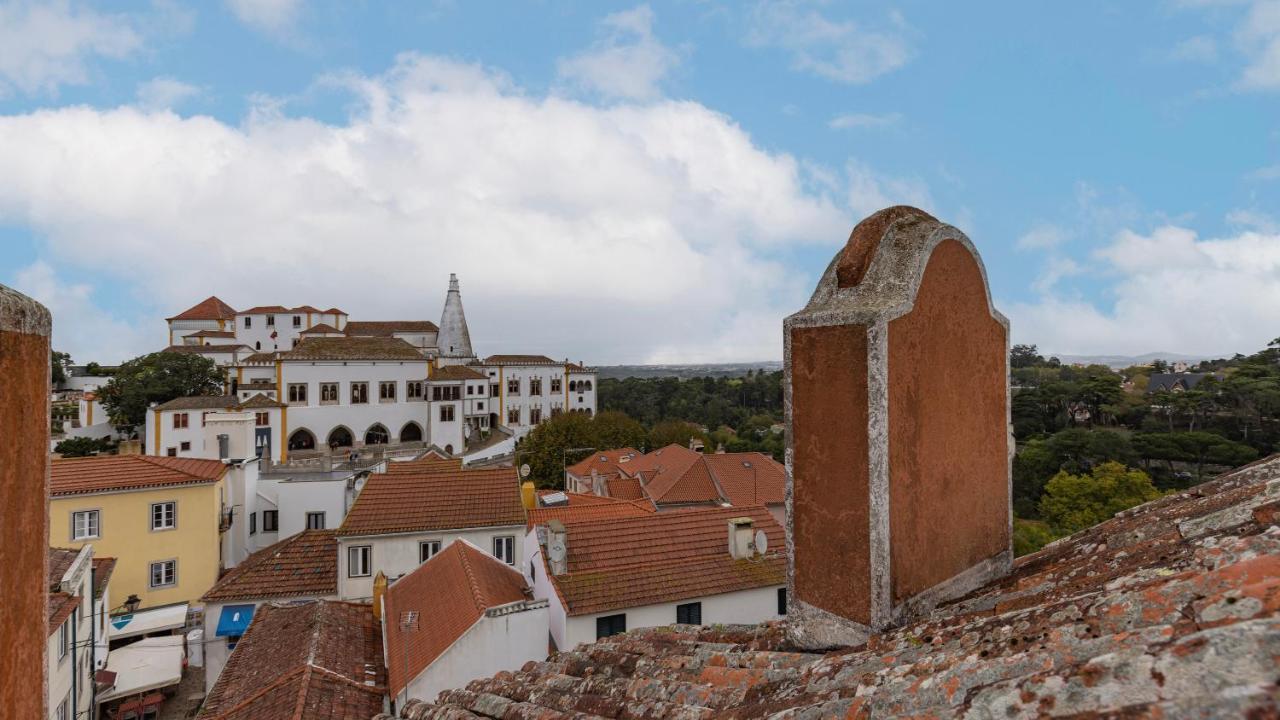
898 446
24 504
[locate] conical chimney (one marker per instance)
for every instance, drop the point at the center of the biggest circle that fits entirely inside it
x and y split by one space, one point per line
454 339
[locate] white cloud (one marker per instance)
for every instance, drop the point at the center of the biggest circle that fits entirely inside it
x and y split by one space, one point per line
1270 172
1259 37
611 234
870 191
80 326
1042 237
271 16
627 62
165 93
864 120
1200 49
46 45
842 51
1168 291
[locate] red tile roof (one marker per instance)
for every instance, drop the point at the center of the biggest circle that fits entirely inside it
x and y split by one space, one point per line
107 473
624 488
351 348
520 360
61 605
425 464
448 373
589 507
334 311
320 328
450 592
679 476
435 499
212 334
103 568
265 310
218 402
748 478
204 349
59 562
319 660
388 328
603 461
211 308
300 566
1169 609
663 557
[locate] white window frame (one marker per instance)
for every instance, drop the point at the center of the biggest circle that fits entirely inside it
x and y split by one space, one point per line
336 399
449 411
359 561
364 400
293 397
151 574
96 525
64 639
428 549
505 545
385 387
172 516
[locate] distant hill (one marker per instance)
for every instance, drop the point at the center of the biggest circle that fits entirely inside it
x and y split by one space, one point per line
685 372
1123 361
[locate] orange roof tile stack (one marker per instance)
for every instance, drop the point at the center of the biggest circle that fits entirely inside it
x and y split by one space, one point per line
663 557
436 499
109 473
302 565
320 660
450 592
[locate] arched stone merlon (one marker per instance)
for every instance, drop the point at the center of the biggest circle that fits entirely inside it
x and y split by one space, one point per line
898 447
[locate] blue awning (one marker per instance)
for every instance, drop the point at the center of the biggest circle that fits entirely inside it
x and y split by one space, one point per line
235 620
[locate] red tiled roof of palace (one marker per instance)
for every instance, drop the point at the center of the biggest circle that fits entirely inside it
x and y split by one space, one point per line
302 565
388 328
211 308
451 591
107 473
436 499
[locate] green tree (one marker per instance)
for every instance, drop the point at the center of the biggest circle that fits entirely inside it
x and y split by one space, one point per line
1074 502
545 448
1021 356
677 432
1034 464
83 447
158 377
613 429
1030 535
60 362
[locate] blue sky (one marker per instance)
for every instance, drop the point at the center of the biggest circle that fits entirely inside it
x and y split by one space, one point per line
639 182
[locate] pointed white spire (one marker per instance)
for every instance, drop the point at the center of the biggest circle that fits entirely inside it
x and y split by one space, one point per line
454 339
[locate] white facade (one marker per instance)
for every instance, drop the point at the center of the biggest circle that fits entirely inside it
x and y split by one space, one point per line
395 555
71 645
326 420
272 329
193 432
504 638
530 393
299 501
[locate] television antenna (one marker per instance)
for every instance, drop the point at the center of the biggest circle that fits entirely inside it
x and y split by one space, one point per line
525 470
762 542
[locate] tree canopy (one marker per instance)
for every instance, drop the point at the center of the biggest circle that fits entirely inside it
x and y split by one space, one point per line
158 377
1075 502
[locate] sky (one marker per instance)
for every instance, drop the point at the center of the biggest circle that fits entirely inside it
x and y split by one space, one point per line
639 183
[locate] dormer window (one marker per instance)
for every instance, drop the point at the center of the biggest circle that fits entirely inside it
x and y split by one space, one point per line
271 320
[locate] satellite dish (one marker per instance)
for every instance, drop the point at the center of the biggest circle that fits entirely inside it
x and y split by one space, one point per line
762 542
525 470
466 431
556 550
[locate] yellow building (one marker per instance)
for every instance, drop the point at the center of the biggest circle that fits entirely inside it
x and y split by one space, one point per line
159 516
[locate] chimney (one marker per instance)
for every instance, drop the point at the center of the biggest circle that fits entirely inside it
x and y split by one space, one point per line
898 447
24 502
528 496
597 484
741 541
557 548
224 446
379 592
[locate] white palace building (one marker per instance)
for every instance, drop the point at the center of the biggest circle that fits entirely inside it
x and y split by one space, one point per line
320 384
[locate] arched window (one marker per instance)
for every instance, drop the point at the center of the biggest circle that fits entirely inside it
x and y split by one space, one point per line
340 437
411 432
572 385
588 384
302 439
257 345
377 435
448 449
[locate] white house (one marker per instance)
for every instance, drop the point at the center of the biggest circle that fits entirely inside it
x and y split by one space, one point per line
292 500
461 615
301 567
697 566
71 633
180 427
402 518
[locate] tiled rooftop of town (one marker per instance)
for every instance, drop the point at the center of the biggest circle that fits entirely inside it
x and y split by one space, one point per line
320 660
106 473
218 402
436 499
450 592
663 557
302 565
211 308
604 461
353 348
580 507
387 328
1167 610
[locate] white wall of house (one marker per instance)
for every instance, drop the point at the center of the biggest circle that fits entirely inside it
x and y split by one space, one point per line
257 334
165 439
70 676
241 483
504 638
742 607
322 419
516 410
395 555
179 329
535 571
296 498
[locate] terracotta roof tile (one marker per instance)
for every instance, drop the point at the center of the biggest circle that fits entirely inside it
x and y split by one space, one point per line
320 328
212 334
61 605
103 568
521 360
624 488
453 373
211 308
436 499
679 476
603 461
319 660
749 478
388 328
60 561
451 591
203 349
351 348
423 465
663 557
106 473
265 310
589 507
334 311
302 565
217 402
1170 609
